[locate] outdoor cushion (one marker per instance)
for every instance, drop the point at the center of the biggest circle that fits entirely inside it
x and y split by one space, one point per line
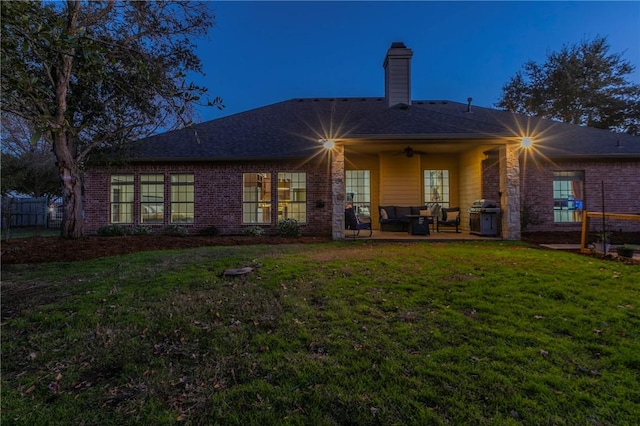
391 211
452 216
383 214
402 212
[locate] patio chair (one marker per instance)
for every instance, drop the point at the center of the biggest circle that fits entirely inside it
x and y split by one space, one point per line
450 217
355 224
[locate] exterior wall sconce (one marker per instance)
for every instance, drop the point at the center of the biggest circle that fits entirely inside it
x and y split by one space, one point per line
526 142
327 143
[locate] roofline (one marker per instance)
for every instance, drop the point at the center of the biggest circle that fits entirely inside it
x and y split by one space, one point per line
568 156
210 159
630 156
509 138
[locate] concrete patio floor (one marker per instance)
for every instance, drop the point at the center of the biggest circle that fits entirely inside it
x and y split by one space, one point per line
442 236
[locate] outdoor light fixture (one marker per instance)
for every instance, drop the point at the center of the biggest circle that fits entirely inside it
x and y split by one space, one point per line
327 143
526 142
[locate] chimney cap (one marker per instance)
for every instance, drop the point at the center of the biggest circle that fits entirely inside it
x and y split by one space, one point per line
398 44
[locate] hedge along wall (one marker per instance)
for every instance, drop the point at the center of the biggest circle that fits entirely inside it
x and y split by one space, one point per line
218 194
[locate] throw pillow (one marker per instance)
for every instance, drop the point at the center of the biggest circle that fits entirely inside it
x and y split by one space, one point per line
383 214
452 216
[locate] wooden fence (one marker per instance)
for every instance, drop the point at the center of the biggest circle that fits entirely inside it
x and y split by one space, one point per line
586 216
31 212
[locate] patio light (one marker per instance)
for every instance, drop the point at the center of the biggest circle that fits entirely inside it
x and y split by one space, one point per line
327 143
526 142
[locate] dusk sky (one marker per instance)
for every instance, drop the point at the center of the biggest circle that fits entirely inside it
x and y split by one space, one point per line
261 53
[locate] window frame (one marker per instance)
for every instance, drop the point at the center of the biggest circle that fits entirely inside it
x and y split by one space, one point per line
358 190
122 208
261 207
292 207
182 207
568 199
443 197
145 179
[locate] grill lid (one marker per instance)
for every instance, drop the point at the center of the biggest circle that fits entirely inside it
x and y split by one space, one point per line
484 204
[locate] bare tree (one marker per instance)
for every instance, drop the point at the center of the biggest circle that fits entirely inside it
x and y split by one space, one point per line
27 167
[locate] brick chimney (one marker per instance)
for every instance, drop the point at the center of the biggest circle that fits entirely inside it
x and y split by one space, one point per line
397 74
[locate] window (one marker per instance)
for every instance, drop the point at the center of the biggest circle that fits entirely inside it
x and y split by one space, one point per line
182 198
436 187
152 198
358 186
292 196
568 196
121 199
256 198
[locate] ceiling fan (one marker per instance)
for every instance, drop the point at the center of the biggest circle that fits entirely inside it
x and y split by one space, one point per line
409 152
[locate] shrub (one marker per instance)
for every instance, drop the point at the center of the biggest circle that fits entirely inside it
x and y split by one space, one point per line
253 231
176 231
112 231
141 230
210 231
289 228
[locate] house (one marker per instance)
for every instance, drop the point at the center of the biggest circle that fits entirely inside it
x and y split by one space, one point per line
306 158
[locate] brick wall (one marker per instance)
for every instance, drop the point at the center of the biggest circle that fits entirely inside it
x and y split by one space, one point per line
621 181
491 178
218 194
621 190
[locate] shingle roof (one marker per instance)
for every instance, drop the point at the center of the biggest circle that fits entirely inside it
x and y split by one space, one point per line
291 129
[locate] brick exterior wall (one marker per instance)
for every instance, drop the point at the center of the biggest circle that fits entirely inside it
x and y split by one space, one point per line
621 183
218 194
491 178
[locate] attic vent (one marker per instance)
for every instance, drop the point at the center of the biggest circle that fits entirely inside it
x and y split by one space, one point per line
345 100
420 103
316 100
403 106
431 103
300 100
363 99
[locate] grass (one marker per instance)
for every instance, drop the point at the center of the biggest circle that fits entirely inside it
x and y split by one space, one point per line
27 232
344 333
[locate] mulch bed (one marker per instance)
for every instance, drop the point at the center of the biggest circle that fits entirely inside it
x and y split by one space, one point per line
52 249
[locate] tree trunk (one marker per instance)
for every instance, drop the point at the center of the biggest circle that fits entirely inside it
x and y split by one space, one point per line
72 216
63 146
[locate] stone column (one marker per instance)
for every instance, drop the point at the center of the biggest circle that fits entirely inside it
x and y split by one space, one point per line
510 191
337 191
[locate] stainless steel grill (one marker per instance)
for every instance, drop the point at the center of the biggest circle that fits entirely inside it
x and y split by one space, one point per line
483 218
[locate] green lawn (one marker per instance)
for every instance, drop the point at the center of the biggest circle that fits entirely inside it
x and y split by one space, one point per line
28 232
341 333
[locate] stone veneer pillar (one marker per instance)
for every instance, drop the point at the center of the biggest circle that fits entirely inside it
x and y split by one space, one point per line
510 191
337 191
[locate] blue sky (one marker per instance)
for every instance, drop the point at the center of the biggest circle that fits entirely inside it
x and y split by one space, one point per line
264 52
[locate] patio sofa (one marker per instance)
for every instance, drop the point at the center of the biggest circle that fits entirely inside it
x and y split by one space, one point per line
395 218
